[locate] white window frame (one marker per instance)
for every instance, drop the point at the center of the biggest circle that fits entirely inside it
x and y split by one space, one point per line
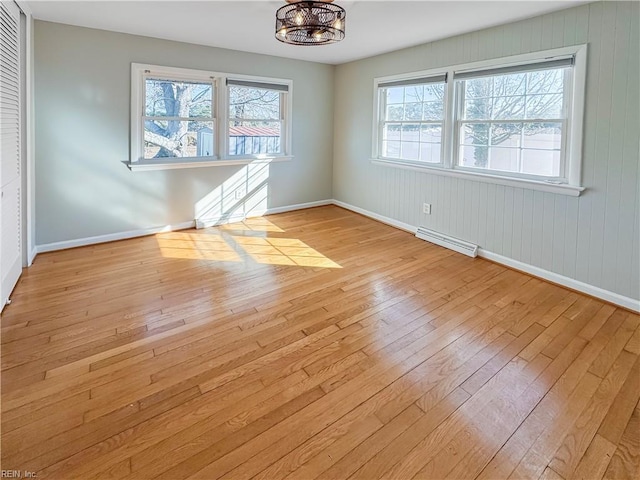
381 104
220 117
569 184
285 136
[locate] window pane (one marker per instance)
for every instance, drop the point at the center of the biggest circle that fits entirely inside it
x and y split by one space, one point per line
395 95
505 105
504 159
391 131
508 108
414 93
391 148
509 85
475 134
546 136
434 91
490 158
506 134
413 111
478 88
395 113
546 81
544 106
410 150
434 110
410 132
178 139
254 138
431 133
478 109
541 162
165 98
254 103
473 156
430 152
415 142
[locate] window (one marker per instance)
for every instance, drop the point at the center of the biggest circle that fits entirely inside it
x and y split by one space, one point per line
503 121
412 113
514 120
256 118
178 118
185 118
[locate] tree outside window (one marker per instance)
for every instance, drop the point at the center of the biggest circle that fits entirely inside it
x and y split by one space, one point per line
513 122
178 119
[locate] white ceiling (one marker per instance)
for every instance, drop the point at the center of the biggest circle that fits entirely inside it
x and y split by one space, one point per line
373 26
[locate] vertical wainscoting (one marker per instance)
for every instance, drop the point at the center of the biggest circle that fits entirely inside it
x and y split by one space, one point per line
592 239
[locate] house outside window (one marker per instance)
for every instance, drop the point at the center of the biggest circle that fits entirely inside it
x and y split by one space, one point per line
256 117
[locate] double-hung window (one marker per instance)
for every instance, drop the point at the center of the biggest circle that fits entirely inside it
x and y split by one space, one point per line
178 119
187 118
412 119
256 118
515 121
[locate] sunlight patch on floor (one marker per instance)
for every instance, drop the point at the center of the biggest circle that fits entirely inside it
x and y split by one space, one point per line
194 246
221 246
252 225
283 251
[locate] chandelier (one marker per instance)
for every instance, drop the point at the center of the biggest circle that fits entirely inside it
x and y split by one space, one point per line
317 22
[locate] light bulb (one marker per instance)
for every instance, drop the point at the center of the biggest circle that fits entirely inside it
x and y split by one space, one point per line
317 35
298 18
337 24
283 32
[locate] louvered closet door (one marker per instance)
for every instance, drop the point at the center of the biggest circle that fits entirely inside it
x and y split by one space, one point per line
10 182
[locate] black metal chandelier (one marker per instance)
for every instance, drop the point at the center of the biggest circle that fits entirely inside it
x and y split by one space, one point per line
310 22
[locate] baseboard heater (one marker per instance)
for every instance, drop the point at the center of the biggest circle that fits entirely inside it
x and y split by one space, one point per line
447 241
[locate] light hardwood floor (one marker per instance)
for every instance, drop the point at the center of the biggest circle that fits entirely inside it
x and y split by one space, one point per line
311 344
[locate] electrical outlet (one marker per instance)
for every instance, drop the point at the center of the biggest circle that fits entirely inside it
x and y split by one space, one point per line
239 194
426 208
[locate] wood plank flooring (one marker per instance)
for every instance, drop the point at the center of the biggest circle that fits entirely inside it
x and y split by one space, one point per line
315 344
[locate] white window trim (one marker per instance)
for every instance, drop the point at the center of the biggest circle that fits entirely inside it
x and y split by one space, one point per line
285 124
137 162
573 142
169 164
382 108
378 119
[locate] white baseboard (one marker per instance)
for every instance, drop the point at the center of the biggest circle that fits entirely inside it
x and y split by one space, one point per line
298 206
571 283
32 255
111 237
381 218
211 222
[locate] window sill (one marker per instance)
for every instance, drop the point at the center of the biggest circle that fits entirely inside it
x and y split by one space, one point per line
171 164
559 188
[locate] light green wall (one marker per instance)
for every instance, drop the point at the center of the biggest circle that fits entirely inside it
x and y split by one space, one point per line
594 238
82 101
